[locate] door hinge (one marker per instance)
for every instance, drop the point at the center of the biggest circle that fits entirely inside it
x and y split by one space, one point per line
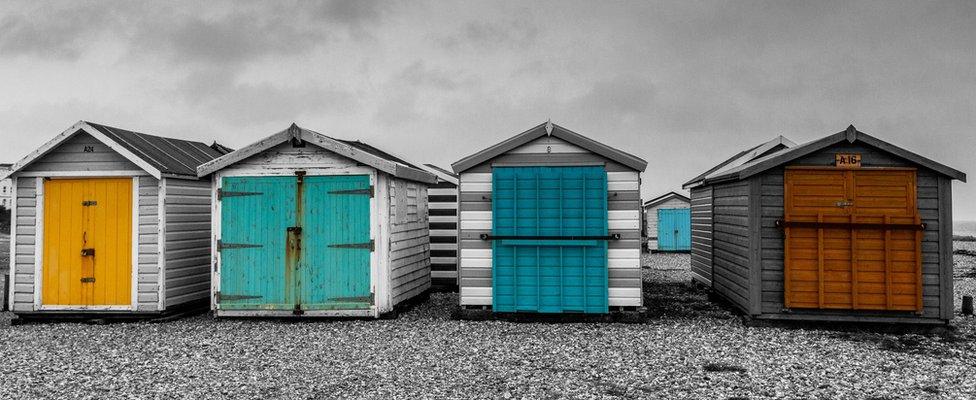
88 279
371 245
221 245
89 203
230 297
221 193
367 191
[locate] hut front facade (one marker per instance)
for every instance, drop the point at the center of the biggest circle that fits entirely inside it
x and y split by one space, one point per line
846 228
667 222
550 223
443 223
109 221
308 225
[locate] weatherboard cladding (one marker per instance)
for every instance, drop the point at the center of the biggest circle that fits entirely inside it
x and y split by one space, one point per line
443 199
84 155
701 235
623 196
746 248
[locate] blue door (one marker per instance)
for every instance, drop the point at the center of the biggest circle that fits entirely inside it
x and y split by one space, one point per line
550 252
295 243
674 229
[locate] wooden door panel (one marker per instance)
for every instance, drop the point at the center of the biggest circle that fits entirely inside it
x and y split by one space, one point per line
860 267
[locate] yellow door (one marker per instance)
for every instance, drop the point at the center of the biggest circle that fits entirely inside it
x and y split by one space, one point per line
87 253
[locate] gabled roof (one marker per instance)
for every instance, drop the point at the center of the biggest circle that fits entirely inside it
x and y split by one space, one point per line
355 150
442 174
778 143
157 155
665 197
549 128
851 135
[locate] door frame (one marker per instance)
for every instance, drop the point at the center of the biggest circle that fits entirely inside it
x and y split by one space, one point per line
378 279
920 285
39 241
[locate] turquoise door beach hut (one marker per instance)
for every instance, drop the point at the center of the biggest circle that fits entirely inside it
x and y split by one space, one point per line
550 223
308 225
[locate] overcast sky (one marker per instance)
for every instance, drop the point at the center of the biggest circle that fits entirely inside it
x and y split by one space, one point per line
681 84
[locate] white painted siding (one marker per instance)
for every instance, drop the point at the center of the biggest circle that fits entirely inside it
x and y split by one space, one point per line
148 288
409 240
22 277
186 249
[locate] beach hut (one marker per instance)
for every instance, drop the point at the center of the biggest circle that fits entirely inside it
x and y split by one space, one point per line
110 222
667 222
308 225
845 228
443 221
550 223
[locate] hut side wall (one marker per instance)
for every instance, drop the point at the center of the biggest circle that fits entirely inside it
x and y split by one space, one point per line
701 235
24 228
409 240
730 242
475 265
934 198
186 249
443 203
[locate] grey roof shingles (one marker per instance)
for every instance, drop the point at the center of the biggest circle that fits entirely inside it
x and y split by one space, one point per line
169 156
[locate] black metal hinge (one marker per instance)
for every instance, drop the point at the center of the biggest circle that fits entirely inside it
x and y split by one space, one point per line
88 279
221 193
230 297
485 236
89 203
221 245
371 245
368 191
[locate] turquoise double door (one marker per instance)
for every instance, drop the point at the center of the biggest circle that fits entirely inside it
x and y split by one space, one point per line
295 243
549 239
674 229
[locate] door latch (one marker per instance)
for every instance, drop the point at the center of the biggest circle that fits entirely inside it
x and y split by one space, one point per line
88 252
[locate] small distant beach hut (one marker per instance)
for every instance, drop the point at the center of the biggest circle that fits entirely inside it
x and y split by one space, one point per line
309 225
667 222
443 223
845 228
110 222
550 223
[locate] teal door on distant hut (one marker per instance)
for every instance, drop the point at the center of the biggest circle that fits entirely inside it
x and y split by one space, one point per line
674 229
295 243
549 251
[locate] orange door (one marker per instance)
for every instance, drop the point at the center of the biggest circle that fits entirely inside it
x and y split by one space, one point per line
859 249
87 250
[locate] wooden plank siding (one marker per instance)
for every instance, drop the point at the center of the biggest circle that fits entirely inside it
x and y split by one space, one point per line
71 155
148 244
623 202
24 228
701 235
186 249
730 242
933 201
409 240
443 201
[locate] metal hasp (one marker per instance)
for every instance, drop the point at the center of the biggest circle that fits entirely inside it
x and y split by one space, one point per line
485 236
88 279
782 224
89 203
88 252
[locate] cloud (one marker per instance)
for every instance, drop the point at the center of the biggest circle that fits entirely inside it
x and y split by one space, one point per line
481 35
52 33
236 103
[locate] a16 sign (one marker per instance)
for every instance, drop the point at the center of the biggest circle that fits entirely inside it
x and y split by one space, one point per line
847 160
